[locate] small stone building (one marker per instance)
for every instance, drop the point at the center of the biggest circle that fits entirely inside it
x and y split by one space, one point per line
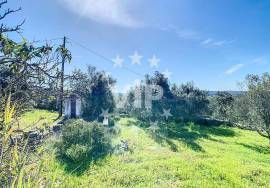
73 106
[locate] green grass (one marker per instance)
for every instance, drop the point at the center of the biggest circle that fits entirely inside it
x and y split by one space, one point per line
36 119
186 156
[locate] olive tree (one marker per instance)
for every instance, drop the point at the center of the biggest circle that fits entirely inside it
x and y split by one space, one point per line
95 89
258 96
190 101
27 71
222 104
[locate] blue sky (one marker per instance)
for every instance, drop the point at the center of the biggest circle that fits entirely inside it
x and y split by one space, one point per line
214 43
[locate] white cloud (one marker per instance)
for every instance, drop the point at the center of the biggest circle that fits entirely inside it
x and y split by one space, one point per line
234 68
189 34
185 34
254 62
259 61
103 11
208 43
168 27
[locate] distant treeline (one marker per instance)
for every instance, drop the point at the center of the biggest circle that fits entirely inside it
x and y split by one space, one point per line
234 93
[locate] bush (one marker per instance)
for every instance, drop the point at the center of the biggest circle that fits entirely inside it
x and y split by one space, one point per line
111 122
222 105
82 141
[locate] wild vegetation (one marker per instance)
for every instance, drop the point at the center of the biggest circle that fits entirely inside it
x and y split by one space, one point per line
202 141
82 141
26 73
191 155
95 89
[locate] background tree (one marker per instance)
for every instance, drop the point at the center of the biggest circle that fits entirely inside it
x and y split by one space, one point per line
258 100
95 89
185 101
160 80
190 101
26 72
222 105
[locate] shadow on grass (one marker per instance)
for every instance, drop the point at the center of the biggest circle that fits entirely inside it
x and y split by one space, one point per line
215 131
187 133
161 139
78 168
259 149
130 122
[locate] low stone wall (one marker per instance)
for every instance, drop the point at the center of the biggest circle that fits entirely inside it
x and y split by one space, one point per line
35 138
212 121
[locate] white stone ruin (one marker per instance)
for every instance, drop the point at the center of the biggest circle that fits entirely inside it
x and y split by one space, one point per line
73 106
106 121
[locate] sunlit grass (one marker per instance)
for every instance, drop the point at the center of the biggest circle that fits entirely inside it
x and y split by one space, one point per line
188 156
36 119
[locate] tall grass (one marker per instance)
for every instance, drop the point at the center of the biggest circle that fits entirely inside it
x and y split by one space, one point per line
15 169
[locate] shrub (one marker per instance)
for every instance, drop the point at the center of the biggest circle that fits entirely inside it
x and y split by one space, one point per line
95 89
83 140
111 122
221 105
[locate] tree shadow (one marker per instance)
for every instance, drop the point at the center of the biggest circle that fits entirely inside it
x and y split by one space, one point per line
188 136
161 139
206 121
215 131
79 168
259 149
187 133
131 122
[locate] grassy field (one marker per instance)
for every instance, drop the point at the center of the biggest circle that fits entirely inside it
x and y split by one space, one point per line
36 119
188 156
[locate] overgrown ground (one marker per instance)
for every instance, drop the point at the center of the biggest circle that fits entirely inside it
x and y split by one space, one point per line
36 119
188 156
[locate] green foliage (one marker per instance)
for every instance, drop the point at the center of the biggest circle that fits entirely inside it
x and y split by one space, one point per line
28 72
95 88
83 141
241 110
222 105
46 103
255 104
160 80
193 100
6 128
185 101
36 119
12 160
111 122
204 157
77 152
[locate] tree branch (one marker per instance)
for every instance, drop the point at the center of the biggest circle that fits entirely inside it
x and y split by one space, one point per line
9 11
2 3
5 29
